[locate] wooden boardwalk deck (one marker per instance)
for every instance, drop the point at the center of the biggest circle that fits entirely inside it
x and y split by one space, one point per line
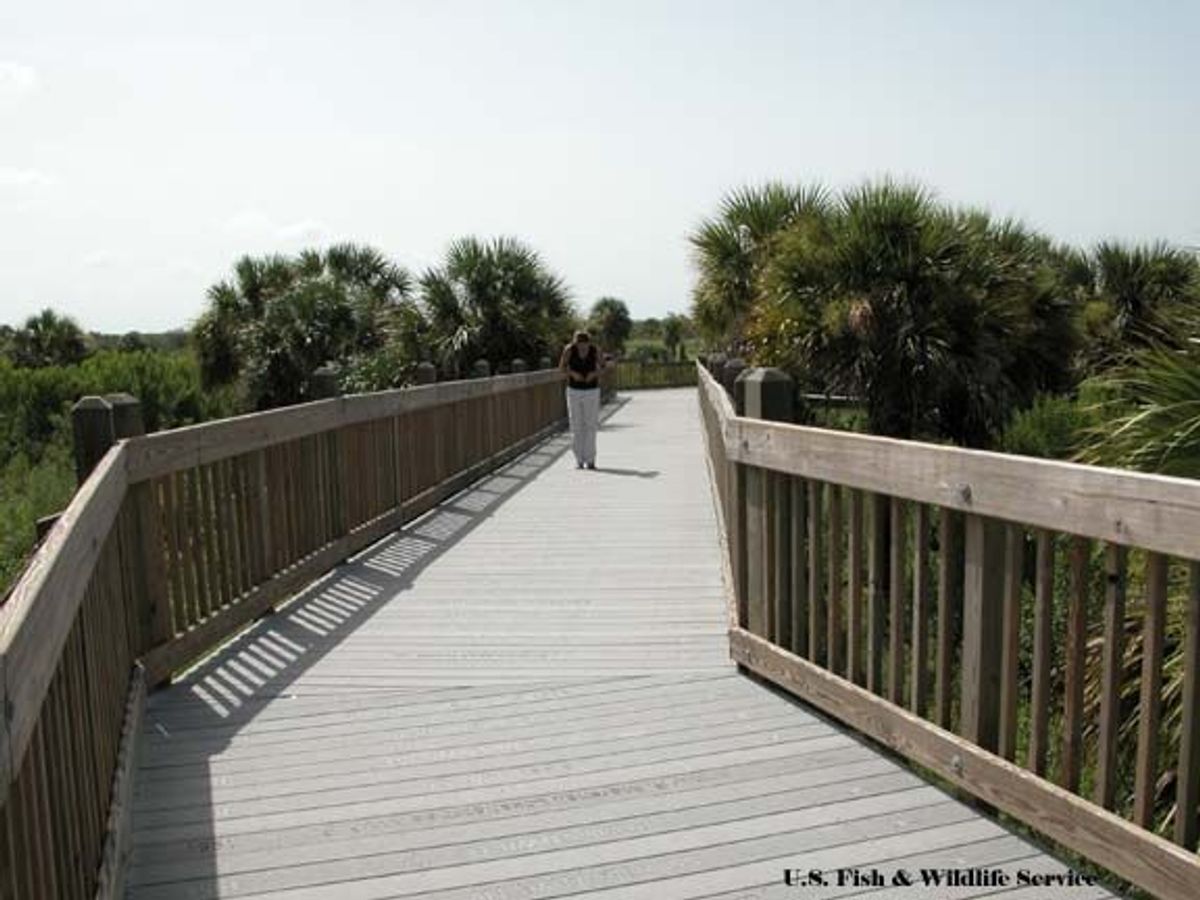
528 694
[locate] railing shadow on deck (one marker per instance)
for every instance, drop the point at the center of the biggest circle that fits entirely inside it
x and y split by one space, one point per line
227 690
178 540
256 669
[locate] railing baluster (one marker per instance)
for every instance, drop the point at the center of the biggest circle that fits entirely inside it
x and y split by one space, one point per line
982 599
781 567
768 509
896 595
1072 757
833 641
817 597
197 540
799 574
1149 707
854 611
755 574
1039 713
1188 791
876 591
920 611
949 605
1110 673
1010 651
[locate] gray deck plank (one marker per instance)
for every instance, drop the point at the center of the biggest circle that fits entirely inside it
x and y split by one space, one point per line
526 694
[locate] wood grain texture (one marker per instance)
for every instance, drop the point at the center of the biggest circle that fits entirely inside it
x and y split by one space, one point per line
185 448
1167 870
1153 512
32 633
1150 700
1043 655
1186 827
1115 565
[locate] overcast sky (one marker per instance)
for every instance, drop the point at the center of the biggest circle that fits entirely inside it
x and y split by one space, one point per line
145 146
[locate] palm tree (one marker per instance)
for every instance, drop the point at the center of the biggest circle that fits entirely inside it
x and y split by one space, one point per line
730 249
942 321
280 318
48 339
673 328
1141 283
610 321
493 300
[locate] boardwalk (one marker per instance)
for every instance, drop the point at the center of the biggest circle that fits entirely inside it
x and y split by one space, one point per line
527 694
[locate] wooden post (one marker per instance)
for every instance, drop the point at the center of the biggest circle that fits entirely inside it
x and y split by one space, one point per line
92 423
519 365
737 534
731 369
425 373
982 616
481 369
768 394
325 382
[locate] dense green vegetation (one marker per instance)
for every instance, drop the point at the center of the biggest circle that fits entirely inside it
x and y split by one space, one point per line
263 333
279 319
37 474
952 325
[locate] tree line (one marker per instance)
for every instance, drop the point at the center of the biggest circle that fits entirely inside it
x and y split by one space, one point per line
949 322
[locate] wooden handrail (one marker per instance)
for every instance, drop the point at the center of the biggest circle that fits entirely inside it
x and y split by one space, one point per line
1153 512
178 539
941 534
43 605
180 448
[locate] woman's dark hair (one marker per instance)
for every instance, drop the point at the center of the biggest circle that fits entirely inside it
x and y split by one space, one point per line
582 337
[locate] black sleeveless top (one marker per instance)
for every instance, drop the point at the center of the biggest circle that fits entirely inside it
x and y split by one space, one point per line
584 365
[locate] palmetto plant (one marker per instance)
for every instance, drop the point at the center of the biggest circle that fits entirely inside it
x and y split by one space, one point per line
609 319
47 339
493 300
730 249
673 328
1152 424
942 321
280 318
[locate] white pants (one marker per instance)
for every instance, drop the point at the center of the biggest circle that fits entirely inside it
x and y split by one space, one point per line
583 411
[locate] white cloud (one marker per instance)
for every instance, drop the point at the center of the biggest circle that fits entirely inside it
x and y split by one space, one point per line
254 223
16 79
21 178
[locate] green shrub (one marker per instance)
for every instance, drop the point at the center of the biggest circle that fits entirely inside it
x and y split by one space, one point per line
1056 426
36 402
28 492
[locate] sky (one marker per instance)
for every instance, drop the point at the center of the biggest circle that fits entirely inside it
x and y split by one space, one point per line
145 146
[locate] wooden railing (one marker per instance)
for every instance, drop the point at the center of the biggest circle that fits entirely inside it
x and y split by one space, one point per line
889 583
177 540
634 375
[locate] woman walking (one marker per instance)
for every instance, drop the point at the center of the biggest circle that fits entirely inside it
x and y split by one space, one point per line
581 362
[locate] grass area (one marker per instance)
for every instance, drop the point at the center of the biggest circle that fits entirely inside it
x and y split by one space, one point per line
29 491
635 347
